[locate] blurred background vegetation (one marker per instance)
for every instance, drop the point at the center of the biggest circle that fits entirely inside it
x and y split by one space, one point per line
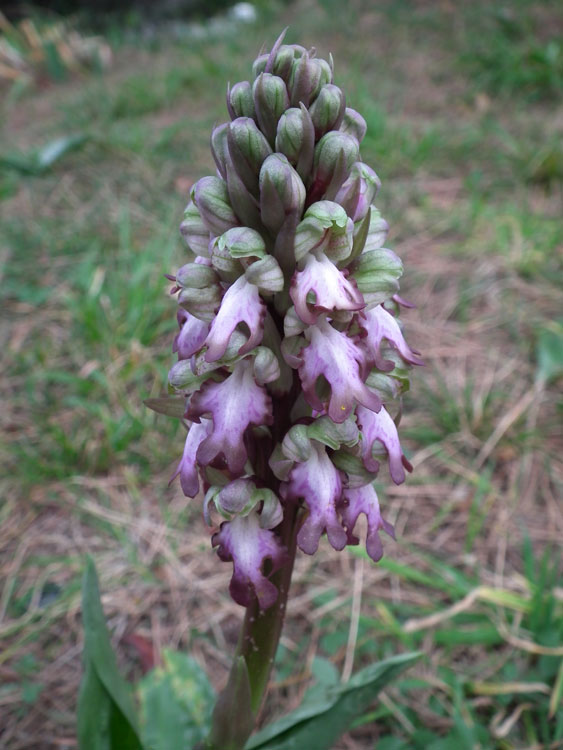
105 125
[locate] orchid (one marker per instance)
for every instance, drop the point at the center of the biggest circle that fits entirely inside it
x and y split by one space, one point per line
292 359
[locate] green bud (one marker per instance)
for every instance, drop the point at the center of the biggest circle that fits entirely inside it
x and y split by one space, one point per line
248 149
334 155
327 110
281 192
219 147
194 231
270 102
353 124
211 197
308 76
295 139
240 101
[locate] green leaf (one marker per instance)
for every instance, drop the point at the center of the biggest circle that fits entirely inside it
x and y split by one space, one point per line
38 161
550 352
176 703
326 713
106 712
170 406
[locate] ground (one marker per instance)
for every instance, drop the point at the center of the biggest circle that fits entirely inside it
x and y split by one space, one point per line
465 125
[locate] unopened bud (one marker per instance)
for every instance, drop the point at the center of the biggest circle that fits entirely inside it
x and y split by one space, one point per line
219 148
281 192
211 197
194 231
353 124
195 276
296 139
308 76
334 155
358 191
270 102
240 101
327 110
248 149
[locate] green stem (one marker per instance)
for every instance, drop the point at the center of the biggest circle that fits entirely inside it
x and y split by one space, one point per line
261 630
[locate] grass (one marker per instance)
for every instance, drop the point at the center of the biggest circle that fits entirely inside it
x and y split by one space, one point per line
464 128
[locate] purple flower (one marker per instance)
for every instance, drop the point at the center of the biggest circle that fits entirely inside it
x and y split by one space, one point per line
241 303
318 483
233 405
332 290
381 427
335 355
378 325
191 336
364 500
187 468
243 541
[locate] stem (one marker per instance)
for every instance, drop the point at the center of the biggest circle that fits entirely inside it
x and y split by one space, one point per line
261 630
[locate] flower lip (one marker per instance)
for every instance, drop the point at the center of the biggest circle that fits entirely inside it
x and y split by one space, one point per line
364 500
233 405
335 355
247 545
241 304
382 428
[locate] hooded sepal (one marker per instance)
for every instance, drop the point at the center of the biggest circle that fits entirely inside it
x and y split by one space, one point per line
240 497
364 500
327 228
377 273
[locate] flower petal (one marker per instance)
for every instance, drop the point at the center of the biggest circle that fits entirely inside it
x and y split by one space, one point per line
381 427
318 482
241 304
364 500
379 325
333 354
187 468
191 336
243 541
233 404
332 290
